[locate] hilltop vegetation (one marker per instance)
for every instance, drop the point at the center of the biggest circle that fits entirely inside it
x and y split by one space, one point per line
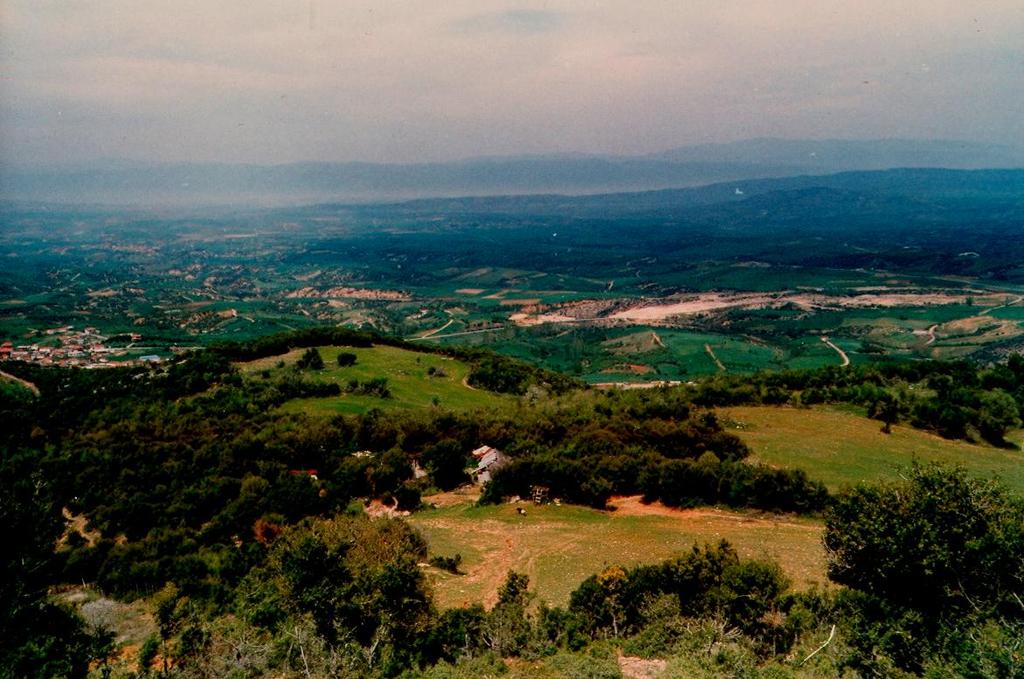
380 377
202 489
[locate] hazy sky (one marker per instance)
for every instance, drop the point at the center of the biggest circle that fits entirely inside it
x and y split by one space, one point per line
284 80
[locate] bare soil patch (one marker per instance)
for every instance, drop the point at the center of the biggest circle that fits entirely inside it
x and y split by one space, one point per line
640 668
521 302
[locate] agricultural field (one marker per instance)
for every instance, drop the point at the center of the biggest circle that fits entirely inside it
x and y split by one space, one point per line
559 546
842 448
573 284
414 379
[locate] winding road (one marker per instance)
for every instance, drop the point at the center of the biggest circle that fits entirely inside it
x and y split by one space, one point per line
455 334
986 312
431 333
842 354
25 383
711 355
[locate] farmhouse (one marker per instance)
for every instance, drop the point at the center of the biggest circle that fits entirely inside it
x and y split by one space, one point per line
489 460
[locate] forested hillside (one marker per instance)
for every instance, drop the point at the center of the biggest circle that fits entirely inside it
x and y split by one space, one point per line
241 526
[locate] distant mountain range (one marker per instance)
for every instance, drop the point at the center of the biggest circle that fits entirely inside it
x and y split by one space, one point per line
133 183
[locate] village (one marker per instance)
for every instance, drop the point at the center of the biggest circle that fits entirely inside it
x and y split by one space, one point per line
85 348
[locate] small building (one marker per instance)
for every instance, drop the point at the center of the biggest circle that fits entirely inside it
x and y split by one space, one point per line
310 473
5 350
488 461
418 472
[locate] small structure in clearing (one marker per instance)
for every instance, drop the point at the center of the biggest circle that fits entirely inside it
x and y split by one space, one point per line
540 494
488 461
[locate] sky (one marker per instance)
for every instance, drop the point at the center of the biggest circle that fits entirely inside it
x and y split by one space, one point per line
277 81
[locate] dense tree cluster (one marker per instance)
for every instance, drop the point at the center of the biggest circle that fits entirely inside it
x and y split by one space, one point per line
935 567
38 638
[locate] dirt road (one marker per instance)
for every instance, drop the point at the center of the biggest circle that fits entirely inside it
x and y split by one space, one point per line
431 333
25 383
714 359
842 354
455 334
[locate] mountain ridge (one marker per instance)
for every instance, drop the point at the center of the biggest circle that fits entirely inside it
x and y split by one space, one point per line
135 183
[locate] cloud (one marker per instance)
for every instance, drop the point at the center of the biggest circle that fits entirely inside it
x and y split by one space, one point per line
517 21
271 81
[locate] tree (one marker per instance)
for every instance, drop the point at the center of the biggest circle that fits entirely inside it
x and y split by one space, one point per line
506 629
360 582
38 638
311 360
613 581
940 543
997 414
346 359
888 408
446 463
933 567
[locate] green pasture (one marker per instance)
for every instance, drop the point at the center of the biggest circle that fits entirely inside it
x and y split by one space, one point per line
559 546
408 374
843 448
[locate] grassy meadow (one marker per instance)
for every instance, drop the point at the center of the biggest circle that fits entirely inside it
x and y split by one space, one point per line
842 448
408 374
560 546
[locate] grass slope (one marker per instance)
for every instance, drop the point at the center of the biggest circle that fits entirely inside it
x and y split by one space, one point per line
559 546
840 448
408 378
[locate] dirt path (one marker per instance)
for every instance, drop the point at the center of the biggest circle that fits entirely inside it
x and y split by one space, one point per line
842 354
467 385
632 505
559 547
986 312
657 340
931 335
25 383
455 334
433 332
504 548
714 359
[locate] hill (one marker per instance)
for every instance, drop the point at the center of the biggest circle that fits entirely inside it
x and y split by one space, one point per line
139 183
413 380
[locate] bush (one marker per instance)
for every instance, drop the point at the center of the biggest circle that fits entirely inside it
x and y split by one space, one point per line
447 563
407 497
311 360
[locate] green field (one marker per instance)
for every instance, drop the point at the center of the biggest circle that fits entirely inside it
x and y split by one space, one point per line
407 373
559 546
842 448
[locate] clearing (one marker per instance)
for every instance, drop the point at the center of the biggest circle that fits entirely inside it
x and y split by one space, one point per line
560 546
842 448
414 378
